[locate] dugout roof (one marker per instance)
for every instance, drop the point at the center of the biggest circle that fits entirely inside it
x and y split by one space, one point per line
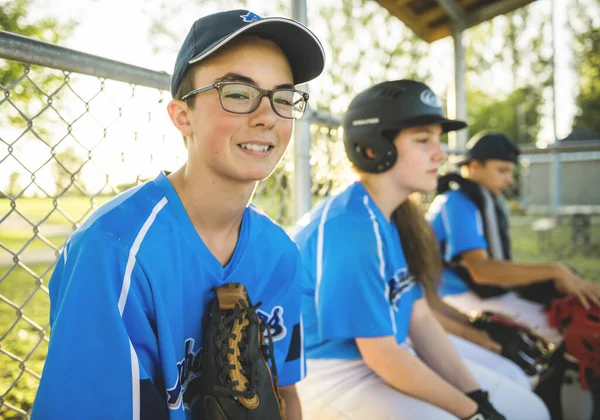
432 19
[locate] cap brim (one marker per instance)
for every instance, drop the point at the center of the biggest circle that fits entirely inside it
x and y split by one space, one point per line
459 160
301 47
447 124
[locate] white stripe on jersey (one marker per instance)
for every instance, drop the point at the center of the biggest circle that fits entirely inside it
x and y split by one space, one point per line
135 368
479 224
135 382
320 239
381 258
133 252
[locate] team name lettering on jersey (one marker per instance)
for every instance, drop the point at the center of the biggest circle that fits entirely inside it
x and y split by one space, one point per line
187 370
274 321
400 283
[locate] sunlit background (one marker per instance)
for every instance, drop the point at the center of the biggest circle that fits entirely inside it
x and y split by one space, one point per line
70 142
147 34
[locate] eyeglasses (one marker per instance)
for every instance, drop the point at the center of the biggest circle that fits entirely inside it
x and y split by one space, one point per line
242 98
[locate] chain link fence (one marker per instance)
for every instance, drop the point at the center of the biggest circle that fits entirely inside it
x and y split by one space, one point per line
68 143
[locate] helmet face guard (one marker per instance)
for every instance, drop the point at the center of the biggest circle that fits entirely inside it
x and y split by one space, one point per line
377 114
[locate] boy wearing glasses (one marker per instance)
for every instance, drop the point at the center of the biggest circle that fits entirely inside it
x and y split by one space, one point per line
132 285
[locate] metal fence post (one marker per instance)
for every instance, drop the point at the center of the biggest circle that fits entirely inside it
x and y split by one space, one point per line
458 139
302 177
555 175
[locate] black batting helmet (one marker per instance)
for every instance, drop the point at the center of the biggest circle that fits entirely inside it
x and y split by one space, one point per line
375 116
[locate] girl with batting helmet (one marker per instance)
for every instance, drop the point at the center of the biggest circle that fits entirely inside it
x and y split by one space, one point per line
364 299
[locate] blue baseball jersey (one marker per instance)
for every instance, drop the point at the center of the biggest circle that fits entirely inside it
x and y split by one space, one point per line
358 284
458 227
128 295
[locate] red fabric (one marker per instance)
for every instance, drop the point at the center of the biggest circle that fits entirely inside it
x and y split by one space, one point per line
569 311
581 328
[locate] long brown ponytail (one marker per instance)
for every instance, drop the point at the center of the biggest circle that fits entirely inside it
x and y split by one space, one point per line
418 243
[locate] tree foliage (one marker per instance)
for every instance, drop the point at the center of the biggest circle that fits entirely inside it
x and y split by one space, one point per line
65 170
365 45
508 71
585 27
15 77
518 115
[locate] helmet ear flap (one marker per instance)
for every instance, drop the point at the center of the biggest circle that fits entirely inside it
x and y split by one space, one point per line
384 155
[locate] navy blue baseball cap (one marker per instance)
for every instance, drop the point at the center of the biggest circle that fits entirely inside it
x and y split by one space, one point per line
209 33
490 145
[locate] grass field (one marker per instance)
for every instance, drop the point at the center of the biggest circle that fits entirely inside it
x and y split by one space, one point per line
62 211
22 349
527 247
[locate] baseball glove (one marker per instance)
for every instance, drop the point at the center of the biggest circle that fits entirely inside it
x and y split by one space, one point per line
237 382
519 343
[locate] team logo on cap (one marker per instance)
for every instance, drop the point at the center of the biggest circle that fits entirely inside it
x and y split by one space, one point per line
429 99
250 17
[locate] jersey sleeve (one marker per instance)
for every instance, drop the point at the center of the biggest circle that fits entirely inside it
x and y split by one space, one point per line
351 295
463 225
97 365
284 318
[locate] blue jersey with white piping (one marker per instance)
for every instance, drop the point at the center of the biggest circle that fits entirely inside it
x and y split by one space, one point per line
458 227
128 295
358 283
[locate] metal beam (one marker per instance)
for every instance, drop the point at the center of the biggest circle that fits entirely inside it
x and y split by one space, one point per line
492 10
302 139
436 13
458 139
455 11
555 181
31 51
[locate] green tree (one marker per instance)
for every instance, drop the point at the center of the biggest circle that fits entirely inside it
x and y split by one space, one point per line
66 167
513 106
584 24
518 115
15 78
365 45
14 184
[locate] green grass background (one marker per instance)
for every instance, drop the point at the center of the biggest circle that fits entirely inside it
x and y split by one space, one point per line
24 303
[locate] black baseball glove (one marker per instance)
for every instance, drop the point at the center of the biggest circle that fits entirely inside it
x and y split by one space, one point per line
237 382
519 343
485 410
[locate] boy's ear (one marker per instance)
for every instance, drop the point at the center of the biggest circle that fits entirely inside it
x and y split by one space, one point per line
475 164
179 114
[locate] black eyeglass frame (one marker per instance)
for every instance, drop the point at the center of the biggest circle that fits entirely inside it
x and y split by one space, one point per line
262 93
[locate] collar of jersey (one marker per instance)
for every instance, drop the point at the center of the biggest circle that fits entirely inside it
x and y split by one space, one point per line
362 191
176 206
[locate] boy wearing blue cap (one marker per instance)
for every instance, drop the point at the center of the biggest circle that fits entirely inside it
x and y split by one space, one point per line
470 220
133 284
